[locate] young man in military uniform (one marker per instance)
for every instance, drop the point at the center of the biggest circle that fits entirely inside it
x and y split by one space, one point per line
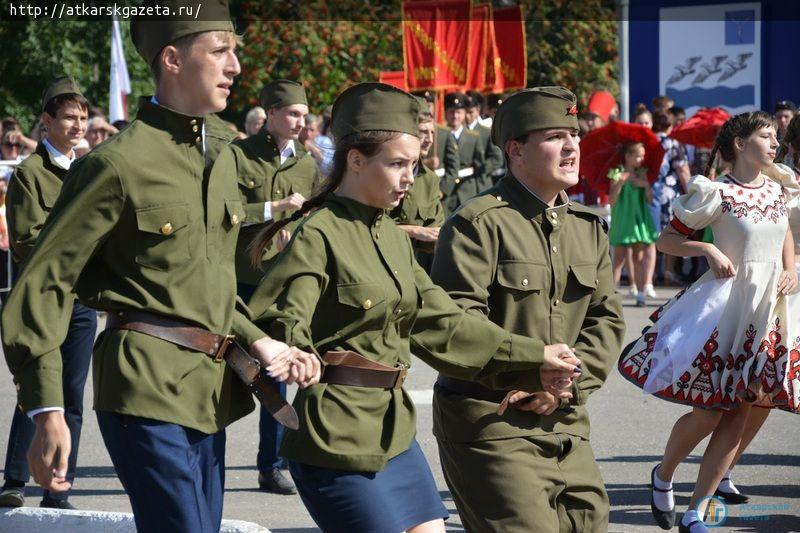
145 228
539 266
494 162
420 213
470 180
276 175
32 191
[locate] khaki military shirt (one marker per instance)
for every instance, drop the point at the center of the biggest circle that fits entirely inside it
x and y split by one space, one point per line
421 206
32 191
536 271
262 178
348 280
142 222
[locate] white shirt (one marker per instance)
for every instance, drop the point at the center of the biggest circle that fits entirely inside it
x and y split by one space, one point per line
474 124
62 160
457 133
288 151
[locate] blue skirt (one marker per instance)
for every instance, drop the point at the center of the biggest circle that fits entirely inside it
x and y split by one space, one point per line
400 496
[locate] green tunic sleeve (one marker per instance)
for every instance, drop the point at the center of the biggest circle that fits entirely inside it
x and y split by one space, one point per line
467 346
36 316
287 297
602 331
25 214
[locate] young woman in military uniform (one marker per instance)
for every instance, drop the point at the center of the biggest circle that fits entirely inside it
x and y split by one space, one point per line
348 288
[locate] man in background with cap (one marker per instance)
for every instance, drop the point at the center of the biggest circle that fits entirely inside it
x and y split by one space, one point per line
443 157
145 228
276 175
493 166
539 266
469 180
32 191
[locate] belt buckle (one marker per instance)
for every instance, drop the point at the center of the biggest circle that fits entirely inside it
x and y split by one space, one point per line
219 356
401 375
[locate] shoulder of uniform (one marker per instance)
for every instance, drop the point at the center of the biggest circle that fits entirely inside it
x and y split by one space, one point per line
473 208
469 132
588 213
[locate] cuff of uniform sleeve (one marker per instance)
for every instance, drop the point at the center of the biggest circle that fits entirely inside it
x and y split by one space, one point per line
516 365
267 211
254 213
31 414
525 350
246 332
39 387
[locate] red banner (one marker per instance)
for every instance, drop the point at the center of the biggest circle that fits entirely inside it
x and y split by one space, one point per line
436 39
479 46
395 78
510 55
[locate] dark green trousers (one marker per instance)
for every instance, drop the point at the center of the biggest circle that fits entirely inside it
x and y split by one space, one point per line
548 484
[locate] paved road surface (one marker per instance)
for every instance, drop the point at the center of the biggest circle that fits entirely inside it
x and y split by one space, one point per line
628 435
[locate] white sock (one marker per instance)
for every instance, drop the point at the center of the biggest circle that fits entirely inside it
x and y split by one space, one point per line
691 516
665 501
727 485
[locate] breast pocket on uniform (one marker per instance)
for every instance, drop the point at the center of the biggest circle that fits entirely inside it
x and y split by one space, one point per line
583 281
163 239
361 297
522 278
250 181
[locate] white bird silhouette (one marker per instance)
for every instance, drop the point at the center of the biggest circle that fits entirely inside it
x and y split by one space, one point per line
681 71
732 67
707 69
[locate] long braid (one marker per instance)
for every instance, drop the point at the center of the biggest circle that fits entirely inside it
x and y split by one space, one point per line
711 158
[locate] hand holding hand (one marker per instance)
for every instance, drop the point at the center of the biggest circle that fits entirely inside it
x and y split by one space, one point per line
541 403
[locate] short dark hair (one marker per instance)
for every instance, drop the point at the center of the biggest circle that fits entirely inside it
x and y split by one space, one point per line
57 102
676 110
785 105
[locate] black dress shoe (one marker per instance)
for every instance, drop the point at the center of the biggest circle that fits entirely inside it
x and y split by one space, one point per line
50 503
12 497
664 519
275 481
732 498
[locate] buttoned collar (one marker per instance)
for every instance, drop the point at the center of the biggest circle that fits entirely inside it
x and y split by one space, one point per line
528 202
356 210
62 160
184 128
288 151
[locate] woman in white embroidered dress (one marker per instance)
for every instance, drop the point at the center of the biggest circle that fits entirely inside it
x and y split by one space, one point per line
724 343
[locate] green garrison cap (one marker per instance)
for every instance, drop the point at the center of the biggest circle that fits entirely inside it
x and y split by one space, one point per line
280 93
60 85
534 109
152 33
373 107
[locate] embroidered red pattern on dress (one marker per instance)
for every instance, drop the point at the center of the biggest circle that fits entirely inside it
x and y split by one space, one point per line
741 203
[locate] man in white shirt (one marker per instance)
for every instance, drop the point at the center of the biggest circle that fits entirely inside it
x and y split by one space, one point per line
33 189
276 174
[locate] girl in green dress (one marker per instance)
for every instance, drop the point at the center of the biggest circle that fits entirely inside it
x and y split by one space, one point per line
631 223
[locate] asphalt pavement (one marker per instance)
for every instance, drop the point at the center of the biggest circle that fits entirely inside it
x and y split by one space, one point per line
629 431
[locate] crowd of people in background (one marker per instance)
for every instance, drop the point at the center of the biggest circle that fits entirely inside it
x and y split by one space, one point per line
475 163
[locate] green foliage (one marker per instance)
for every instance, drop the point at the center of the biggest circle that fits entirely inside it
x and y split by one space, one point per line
35 52
573 44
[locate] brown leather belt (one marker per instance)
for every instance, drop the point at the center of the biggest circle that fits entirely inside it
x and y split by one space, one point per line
218 347
350 368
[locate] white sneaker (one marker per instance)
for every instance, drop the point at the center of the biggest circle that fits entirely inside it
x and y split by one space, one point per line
649 291
633 290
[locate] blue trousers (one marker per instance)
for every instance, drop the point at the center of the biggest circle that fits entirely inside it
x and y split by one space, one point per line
76 356
270 432
174 476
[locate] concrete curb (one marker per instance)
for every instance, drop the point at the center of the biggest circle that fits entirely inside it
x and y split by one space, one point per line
37 520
